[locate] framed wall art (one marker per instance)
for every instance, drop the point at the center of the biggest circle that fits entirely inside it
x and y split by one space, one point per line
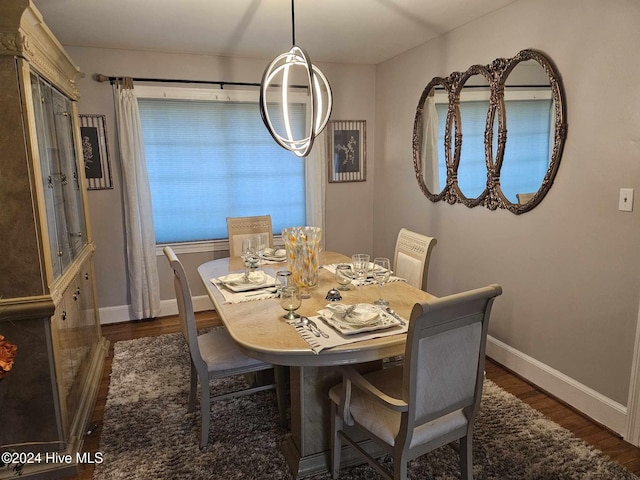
347 150
93 135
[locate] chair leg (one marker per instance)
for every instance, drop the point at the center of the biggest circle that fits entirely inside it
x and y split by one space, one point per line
281 393
193 392
336 442
466 462
205 413
399 467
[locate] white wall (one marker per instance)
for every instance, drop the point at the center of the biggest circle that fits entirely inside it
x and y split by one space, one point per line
570 268
349 225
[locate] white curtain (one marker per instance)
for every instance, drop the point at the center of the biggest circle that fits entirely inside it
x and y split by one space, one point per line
429 145
144 287
315 173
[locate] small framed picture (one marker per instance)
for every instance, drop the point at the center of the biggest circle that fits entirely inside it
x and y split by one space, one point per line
347 150
93 136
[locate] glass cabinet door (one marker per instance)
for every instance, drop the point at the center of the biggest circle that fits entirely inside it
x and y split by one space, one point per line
60 174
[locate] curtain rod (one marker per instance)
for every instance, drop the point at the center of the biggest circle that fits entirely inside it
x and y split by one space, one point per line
533 85
98 77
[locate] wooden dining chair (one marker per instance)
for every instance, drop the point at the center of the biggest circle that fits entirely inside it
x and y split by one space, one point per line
239 228
411 258
431 400
214 355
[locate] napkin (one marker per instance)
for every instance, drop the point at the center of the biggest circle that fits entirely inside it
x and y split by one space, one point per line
257 277
361 314
279 252
272 255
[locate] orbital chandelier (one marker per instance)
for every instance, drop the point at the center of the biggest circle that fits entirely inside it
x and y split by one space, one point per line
319 103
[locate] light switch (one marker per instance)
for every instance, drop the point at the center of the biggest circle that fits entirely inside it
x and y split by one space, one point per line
625 203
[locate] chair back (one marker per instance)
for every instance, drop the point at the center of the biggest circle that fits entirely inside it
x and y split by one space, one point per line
411 259
239 228
185 307
444 356
524 197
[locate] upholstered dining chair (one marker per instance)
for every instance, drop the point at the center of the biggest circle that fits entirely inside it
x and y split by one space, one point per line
239 228
214 355
430 401
524 197
411 258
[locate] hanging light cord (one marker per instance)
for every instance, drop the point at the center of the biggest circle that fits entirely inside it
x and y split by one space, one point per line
293 23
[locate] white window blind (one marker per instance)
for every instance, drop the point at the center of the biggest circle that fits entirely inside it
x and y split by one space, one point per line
527 151
208 160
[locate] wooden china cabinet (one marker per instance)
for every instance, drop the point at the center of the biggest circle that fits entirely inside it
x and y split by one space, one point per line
47 292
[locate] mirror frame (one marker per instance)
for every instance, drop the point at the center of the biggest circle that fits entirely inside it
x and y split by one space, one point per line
497 73
447 85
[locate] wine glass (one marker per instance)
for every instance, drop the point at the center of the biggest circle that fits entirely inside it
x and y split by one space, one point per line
249 256
262 242
344 275
290 300
381 273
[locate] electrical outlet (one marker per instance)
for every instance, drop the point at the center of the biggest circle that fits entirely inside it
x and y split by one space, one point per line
625 203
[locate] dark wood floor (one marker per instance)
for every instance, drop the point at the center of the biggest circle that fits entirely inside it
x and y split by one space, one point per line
601 438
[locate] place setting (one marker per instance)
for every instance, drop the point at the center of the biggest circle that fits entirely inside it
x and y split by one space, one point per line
341 323
238 287
361 272
254 283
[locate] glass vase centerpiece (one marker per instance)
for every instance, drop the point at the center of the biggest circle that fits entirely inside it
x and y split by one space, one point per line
303 251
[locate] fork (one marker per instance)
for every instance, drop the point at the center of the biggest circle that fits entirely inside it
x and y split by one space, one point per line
313 324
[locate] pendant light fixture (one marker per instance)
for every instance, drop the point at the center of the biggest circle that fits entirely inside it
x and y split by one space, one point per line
319 101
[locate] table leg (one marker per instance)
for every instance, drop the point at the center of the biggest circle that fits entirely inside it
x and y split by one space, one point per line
307 447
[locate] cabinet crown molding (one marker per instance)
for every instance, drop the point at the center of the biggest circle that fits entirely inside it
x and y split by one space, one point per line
24 34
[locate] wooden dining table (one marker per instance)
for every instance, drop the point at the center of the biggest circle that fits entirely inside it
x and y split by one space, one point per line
259 329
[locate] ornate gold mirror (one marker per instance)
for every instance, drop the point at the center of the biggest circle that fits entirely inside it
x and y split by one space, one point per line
492 135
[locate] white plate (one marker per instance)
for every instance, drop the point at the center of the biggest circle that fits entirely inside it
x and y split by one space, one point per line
346 327
236 282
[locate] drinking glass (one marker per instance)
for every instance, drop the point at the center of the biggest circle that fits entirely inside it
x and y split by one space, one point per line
249 256
262 242
360 265
283 279
344 275
290 300
381 274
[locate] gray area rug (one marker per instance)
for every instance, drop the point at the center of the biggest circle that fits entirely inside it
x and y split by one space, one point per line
148 433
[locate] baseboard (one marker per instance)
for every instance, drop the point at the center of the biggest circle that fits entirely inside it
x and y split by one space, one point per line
602 409
122 313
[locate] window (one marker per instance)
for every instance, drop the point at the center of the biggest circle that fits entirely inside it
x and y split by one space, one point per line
209 157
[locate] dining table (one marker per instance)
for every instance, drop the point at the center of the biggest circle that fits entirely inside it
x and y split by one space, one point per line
255 322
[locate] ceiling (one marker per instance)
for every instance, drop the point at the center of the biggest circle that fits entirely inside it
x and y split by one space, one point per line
341 31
